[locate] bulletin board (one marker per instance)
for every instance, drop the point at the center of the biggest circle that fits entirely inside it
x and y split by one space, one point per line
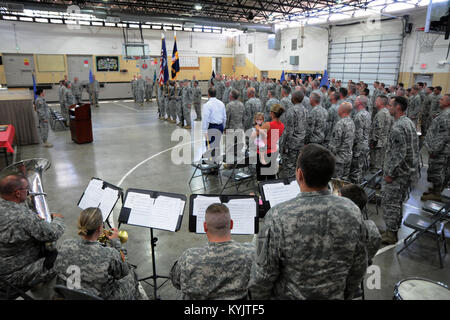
51 63
107 63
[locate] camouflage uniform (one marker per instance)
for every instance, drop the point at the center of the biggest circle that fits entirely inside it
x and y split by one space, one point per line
269 104
161 105
425 116
148 90
362 123
262 90
293 138
379 135
172 103
320 93
434 108
68 101
252 106
43 116
286 103
179 104
332 119
22 237
219 270
220 89
341 145
401 164
103 272
93 90
133 89
77 92
166 100
61 100
414 109
310 247
317 125
235 115
140 91
307 104
197 98
437 142
226 95
278 91
187 98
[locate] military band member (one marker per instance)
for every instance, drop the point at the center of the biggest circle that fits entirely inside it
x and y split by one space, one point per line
219 270
77 91
93 90
24 263
44 116
197 99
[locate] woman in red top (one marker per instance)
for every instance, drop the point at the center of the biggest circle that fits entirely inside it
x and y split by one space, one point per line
270 132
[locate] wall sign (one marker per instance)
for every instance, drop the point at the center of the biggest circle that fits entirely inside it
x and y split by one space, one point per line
105 64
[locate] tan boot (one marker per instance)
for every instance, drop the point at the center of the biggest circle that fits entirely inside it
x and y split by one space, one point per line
187 127
48 145
389 237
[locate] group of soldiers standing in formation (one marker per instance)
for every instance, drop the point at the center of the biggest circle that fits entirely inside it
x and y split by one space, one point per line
69 94
365 132
141 90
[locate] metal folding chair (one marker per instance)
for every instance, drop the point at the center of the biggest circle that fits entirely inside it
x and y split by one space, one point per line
206 168
422 225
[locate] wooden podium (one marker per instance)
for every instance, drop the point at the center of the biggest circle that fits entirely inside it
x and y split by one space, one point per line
80 123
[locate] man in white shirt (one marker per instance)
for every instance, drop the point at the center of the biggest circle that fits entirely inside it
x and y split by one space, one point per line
213 121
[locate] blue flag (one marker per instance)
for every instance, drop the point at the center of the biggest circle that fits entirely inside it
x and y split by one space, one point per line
175 60
34 86
154 77
324 81
282 77
91 77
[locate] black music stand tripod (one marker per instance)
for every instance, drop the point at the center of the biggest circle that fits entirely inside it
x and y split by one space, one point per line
154 276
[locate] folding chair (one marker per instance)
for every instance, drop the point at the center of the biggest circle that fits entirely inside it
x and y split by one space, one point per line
74 294
240 170
206 168
369 184
11 292
422 225
57 121
445 195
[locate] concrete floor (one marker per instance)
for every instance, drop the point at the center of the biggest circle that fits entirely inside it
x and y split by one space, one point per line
129 150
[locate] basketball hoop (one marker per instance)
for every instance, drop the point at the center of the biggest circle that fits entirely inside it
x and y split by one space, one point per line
426 41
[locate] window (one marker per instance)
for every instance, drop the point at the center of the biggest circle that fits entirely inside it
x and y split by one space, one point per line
250 47
294 44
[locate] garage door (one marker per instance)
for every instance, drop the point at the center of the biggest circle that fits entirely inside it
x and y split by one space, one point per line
18 69
366 58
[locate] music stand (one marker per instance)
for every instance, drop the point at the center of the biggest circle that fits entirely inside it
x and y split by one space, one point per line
101 194
249 218
277 191
133 214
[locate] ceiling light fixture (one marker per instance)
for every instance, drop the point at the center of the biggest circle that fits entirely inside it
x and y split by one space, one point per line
198 6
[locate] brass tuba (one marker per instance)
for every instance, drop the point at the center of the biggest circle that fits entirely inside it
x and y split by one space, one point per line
123 236
32 170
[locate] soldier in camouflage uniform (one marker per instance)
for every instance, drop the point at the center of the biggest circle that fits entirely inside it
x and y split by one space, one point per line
317 121
179 103
341 143
235 112
226 93
362 121
252 106
278 90
101 270
77 90
379 133
197 99
333 117
434 109
220 87
140 90
272 100
166 101
262 87
313 246
400 168
219 270
437 142
294 134
187 99
426 109
148 89
61 97
326 101
161 104
23 236
244 95
93 90
172 102
414 106
43 116
68 100
286 102
133 88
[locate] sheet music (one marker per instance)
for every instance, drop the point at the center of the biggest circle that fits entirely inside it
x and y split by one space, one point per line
242 211
141 206
165 213
277 193
109 199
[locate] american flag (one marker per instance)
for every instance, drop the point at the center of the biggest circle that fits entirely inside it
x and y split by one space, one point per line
163 69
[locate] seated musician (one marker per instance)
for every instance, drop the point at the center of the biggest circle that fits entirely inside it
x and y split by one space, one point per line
85 264
24 262
219 270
